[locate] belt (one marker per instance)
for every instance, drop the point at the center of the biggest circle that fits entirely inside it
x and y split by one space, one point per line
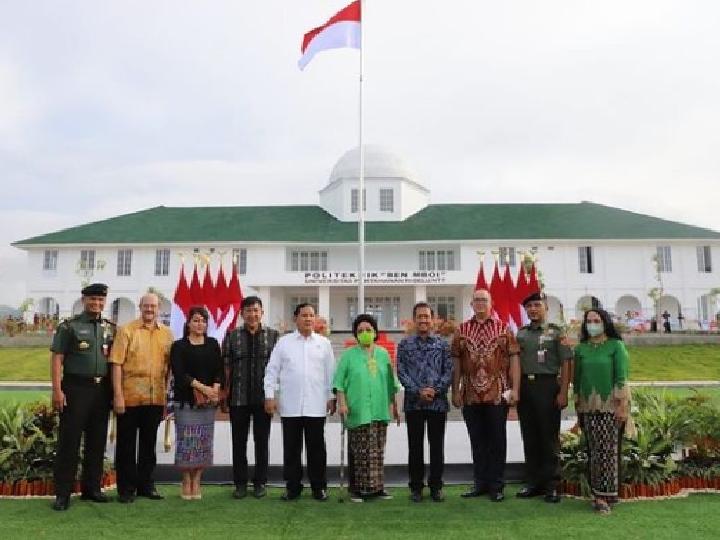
534 376
71 377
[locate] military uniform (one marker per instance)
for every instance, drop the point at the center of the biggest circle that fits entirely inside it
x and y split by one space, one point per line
85 342
541 357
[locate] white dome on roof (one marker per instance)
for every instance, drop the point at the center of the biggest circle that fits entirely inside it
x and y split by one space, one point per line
379 163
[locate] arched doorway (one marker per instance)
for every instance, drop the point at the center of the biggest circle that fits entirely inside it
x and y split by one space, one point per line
671 305
707 310
122 310
555 312
586 302
48 307
628 307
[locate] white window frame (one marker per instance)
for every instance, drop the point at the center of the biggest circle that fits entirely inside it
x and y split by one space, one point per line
162 262
240 255
387 200
586 260
664 259
87 259
430 260
124 262
314 260
354 200
50 258
704 259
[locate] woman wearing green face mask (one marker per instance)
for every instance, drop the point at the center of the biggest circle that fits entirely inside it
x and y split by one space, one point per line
602 401
365 384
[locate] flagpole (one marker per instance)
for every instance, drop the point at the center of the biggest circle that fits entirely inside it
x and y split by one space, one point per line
361 178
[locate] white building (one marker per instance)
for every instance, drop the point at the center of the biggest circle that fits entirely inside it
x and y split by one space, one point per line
588 253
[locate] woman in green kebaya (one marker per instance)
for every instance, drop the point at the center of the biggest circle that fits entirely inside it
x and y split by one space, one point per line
602 401
366 387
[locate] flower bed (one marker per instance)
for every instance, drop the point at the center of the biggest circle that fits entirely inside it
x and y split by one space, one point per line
676 450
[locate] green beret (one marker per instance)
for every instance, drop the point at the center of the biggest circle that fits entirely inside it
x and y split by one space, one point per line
95 289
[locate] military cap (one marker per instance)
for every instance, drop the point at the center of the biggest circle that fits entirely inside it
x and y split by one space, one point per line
95 289
534 297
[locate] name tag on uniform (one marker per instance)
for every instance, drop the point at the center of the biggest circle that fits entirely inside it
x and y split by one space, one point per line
83 332
541 356
83 345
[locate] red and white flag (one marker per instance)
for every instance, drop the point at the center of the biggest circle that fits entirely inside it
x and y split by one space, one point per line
342 30
182 301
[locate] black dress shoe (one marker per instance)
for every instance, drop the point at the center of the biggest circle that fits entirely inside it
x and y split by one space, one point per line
290 496
528 492
126 498
416 496
320 495
95 496
61 503
497 496
259 491
240 492
152 495
437 495
475 492
552 496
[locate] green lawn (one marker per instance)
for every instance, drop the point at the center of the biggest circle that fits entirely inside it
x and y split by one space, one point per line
668 363
219 516
675 363
23 396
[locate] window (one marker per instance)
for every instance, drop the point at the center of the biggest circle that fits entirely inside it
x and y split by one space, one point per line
124 262
585 260
87 259
240 256
664 259
386 200
704 259
308 261
162 262
436 260
50 258
295 300
507 255
354 200
443 306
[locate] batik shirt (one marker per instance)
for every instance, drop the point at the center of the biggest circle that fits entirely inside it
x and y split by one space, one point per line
424 362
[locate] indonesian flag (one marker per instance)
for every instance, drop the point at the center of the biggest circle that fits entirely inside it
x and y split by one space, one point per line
209 300
235 298
182 301
522 291
222 295
340 31
499 298
481 283
513 308
533 284
197 297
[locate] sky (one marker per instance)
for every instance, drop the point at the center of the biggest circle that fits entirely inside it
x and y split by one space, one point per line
116 106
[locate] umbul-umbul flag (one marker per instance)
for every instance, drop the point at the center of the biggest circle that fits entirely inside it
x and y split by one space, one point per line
342 30
181 303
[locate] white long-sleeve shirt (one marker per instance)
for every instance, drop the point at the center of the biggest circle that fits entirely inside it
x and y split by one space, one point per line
304 368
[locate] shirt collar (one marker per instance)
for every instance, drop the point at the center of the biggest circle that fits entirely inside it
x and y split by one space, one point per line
141 324
298 335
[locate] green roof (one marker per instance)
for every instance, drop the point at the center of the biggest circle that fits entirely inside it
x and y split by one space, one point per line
436 222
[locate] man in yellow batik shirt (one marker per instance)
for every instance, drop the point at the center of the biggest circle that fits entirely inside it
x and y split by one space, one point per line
140 358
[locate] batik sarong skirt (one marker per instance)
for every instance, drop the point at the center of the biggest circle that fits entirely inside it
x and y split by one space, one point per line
604 440
367 444
194 434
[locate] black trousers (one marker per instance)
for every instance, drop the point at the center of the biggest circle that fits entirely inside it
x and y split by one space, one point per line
86 414
135 457
540 427
416 421
240 424
294 428
486 424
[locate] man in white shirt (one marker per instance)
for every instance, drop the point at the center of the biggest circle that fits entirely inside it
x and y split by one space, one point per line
298 385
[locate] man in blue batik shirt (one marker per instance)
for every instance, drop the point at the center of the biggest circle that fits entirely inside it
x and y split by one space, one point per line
425 371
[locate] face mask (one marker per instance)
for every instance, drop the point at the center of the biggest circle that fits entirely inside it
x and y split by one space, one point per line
595 329
366 338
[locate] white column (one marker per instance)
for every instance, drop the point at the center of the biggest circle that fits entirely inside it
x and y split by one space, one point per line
266 298
324 302
420 293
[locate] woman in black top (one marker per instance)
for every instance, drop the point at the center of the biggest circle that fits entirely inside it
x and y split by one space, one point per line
197 366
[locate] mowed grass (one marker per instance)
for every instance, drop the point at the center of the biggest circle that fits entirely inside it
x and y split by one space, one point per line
666 363
219 516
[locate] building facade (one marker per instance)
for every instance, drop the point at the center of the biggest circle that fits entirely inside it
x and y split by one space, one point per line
588 254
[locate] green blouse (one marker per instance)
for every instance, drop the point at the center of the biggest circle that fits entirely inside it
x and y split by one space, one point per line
601 374
369 385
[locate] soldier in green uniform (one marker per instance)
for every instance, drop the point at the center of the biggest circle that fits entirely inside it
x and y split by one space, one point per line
81 393
545 365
